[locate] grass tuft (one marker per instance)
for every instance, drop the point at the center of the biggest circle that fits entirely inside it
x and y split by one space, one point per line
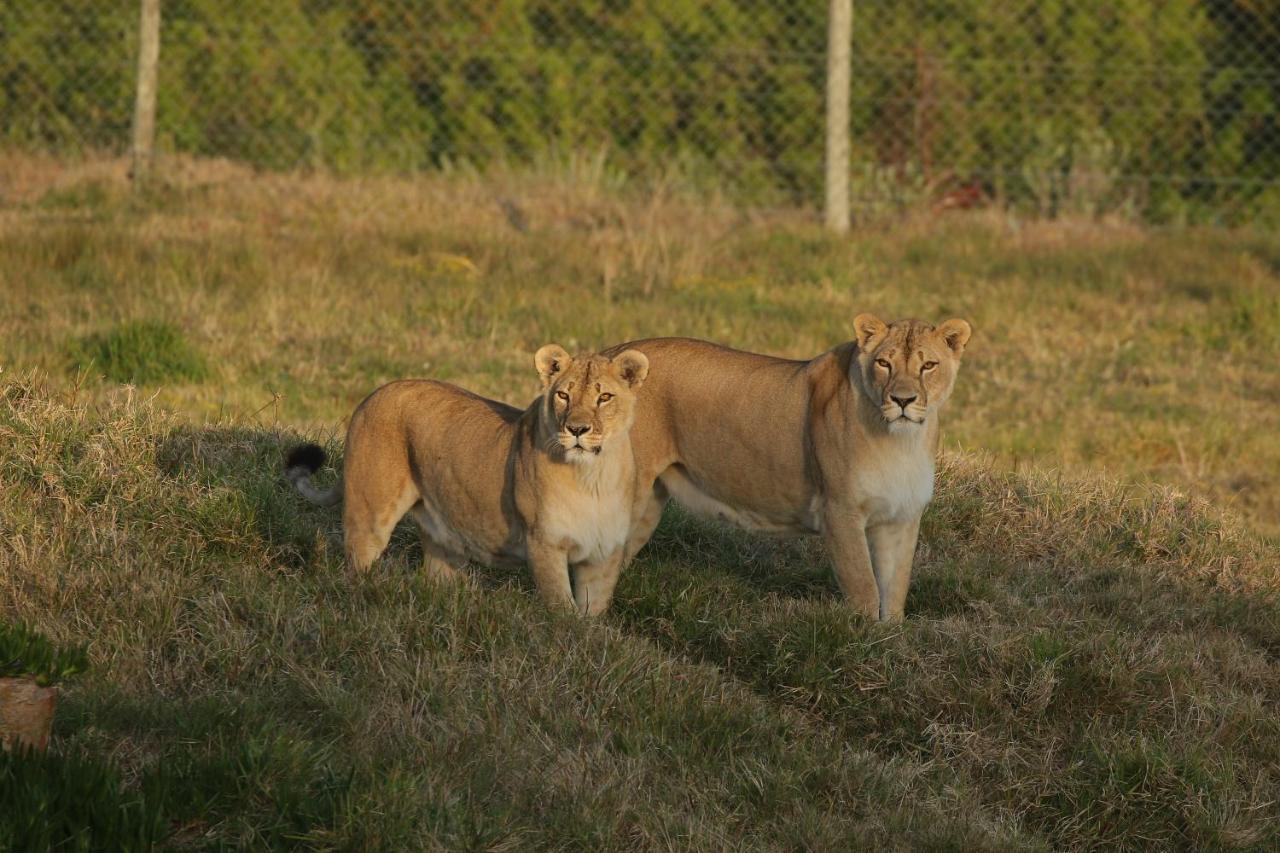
72 801
146 352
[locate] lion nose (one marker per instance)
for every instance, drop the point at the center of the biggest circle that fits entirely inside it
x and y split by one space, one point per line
578 429
903 401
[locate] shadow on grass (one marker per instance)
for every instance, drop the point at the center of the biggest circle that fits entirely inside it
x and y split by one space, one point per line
247 464
1066 663
220 756
242 466
798 568
791 567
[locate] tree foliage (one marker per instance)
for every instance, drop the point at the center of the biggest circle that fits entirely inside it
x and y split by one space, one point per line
1170 109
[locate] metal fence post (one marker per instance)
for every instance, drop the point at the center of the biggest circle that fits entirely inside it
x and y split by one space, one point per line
839 38
144 109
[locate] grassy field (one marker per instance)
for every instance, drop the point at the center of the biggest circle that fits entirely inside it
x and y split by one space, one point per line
1090 655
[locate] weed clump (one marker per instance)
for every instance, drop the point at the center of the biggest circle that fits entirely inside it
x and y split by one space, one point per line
26 652
72 802
141 353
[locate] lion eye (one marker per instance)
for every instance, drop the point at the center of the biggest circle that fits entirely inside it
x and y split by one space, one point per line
604 398
883 363
562 396
929 365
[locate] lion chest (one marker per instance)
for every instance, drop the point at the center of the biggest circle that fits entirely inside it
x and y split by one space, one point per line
590 524
897 483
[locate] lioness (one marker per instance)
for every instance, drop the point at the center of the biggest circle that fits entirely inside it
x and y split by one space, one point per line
841 445
552 485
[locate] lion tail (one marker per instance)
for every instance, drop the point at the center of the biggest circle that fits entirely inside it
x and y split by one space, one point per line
300 464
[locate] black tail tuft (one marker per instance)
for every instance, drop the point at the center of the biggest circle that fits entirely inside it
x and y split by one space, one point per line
309 456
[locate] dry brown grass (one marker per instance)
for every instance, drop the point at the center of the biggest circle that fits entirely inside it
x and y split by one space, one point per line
1149 355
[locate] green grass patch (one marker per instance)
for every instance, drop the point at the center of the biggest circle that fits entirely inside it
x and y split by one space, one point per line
88 195
73 801
146 352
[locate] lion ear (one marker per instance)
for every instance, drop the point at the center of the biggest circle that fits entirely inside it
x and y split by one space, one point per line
633 366
868 329
551 361
956 333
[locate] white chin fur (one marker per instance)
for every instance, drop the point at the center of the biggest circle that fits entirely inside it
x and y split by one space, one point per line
903 426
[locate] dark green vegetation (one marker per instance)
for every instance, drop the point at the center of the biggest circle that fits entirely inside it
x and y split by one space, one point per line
72 801
1084 665
1088 658
1165 111
25 652
140 353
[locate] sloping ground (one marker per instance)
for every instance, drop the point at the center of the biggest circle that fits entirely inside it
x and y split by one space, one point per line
1143 354
1097 664
1082 666
274 699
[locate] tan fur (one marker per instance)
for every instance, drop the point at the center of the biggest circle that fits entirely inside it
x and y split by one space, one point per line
552 485
797 447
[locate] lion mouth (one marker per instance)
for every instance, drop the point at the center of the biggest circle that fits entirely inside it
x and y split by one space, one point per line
582 449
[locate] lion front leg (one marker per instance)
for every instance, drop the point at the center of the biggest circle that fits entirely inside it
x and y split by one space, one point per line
846 537
594 582
893 547
550 567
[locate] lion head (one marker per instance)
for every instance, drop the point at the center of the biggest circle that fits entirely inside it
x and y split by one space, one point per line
908 368
588 401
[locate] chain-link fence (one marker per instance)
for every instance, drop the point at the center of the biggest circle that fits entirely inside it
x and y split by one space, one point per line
1163 110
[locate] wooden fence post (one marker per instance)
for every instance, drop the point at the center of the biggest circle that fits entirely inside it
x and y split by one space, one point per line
839 39
144 108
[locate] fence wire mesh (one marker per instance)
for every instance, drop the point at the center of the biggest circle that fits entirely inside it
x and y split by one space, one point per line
1164 110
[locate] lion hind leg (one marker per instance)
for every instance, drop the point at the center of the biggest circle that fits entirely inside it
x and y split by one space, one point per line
645 522
368 521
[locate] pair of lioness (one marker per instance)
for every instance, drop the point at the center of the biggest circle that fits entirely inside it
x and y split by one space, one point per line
842 445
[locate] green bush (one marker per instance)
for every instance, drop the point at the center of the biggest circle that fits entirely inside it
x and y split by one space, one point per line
66 76
1060 106
25 652
71 802
143 353
1162 109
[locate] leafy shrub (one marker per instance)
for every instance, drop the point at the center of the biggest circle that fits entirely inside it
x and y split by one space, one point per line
1162 108
25 652
71 802
141 353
